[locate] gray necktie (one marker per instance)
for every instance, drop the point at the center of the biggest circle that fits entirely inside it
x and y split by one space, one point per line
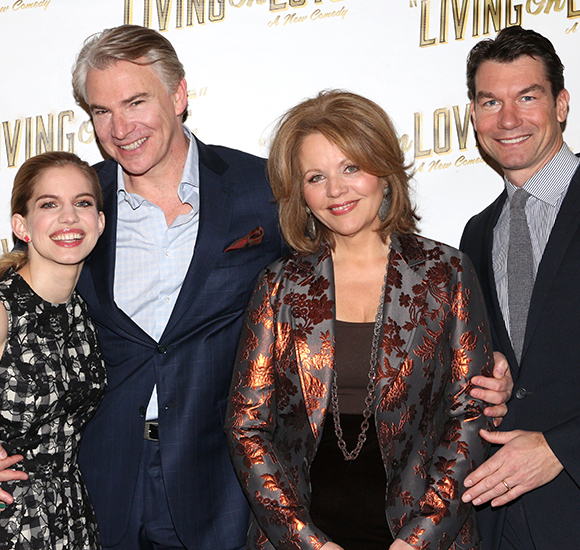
520 266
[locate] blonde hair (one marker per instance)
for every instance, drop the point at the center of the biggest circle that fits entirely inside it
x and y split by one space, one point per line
362 131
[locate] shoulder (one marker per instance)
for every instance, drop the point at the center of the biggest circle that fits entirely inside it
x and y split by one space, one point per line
107 172
417 250
233 163
297 270
480 221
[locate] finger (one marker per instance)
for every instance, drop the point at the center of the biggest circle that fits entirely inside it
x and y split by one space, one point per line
488 383
495 397
501 366
10 475
496 411
499 438
508 496
10 461
3 453
486 489
6 497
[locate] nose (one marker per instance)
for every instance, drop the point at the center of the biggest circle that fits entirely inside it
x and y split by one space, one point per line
120 126
335 186
509 116
68 214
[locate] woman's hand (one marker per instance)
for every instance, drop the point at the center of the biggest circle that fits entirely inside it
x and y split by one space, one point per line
331 546
399 545
6 474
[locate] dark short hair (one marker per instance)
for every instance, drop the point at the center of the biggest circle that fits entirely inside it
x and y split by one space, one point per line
362 131
510 44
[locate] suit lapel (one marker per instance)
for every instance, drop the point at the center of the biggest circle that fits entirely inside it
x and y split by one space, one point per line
406 274
564 230
314 340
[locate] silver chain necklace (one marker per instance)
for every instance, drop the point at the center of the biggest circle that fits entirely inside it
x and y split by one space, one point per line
362 437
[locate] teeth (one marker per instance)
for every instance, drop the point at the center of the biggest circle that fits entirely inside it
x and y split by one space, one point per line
514 140
134 145
68 237
341 207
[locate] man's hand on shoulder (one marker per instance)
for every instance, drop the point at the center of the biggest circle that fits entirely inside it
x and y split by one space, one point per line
495 390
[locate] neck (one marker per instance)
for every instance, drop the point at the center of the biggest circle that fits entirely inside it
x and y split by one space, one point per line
164 176
362 250
54 285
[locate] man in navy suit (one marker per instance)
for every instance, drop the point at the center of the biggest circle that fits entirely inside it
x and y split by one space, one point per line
189 227
529 238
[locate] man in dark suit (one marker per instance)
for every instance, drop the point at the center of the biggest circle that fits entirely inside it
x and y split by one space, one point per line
526 249
188 229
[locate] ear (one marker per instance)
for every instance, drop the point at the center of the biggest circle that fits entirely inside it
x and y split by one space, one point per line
180 97
19 226
472 110
562 102
101 223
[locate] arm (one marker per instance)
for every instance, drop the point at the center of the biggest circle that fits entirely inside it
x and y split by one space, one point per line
264 354
495 390
464 350
6 462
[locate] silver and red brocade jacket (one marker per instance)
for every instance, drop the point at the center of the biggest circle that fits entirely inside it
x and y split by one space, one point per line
435 339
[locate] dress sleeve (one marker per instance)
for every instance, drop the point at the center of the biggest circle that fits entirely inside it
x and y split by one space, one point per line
440 517
269 482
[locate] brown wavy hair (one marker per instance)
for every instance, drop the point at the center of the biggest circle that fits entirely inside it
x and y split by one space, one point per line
23 190
365 134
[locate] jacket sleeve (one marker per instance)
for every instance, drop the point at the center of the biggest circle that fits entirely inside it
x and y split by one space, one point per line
439 517
269 482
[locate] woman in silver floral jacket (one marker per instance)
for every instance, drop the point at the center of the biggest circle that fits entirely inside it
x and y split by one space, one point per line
350 422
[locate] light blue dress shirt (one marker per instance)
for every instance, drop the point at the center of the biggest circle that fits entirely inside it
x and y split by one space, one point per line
152 259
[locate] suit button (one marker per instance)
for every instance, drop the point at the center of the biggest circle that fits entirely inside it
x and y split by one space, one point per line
521 393
142 411
161 350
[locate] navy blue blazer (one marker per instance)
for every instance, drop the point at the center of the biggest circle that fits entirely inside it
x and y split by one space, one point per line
547 382
191 364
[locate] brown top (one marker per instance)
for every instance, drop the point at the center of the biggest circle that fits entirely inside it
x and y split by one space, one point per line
353 342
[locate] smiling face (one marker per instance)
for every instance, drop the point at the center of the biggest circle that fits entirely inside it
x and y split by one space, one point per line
136 120
342 196
62 224
515 116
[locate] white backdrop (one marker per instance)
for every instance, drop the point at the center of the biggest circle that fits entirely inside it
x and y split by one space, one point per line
247 61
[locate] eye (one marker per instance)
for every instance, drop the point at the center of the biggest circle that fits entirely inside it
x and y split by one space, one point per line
84 203
98 112
137 102
351 169
527 98
316 178
491 103
47 204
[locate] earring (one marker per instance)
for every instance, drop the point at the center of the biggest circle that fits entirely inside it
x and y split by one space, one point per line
27 239
385 205
310 225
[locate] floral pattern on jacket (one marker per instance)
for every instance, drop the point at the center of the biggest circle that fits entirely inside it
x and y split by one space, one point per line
435 339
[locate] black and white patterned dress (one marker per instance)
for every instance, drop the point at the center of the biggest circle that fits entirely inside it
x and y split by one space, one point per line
52 379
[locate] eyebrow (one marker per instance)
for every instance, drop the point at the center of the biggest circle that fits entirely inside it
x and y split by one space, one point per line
49 196
129 100
531 88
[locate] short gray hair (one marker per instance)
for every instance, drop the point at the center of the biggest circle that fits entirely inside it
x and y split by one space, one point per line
132 43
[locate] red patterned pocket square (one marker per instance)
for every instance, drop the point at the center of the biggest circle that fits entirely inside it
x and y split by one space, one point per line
253 238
